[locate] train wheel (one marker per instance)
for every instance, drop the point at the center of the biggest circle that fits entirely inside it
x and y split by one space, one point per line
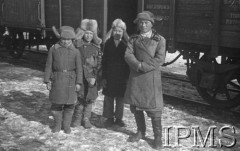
16 49
225 98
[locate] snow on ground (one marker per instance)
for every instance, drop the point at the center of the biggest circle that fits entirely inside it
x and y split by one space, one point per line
25 120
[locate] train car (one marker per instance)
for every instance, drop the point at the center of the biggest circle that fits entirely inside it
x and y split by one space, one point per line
203 31
29 22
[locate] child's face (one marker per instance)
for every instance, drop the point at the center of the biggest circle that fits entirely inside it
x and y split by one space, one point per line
66 42
88 36
117 33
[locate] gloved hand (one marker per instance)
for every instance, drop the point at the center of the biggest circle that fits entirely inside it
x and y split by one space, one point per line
91 81
49 86
104 83
78 87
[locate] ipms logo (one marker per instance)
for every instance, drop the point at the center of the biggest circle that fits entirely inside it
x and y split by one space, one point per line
223 136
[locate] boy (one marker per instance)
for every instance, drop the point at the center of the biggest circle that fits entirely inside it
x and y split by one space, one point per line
88 45
63 77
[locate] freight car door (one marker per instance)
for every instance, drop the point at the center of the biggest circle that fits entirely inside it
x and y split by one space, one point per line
161 10
124 9
63 12
22 13
71 13
96 9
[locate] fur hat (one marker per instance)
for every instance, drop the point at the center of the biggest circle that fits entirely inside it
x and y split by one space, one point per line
117 23
90 25
145 15
66 32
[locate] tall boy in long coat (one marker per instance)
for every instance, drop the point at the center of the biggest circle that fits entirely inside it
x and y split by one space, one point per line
115 73
63 76
145 55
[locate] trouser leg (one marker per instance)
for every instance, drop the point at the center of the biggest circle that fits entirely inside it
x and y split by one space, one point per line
57 116
77 116
108 107
157 130
67 117
87 115
119 112
141 126
119 108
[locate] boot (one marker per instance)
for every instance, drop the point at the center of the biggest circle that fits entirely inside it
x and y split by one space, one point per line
141 126
109 122
120 122
67 119
77 116
157 131
57 115
87 123
87 115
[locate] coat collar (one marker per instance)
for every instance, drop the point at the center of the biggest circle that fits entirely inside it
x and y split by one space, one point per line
123 41
155 36
81 42
56 46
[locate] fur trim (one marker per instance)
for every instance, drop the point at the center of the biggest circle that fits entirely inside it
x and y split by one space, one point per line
107 36
55 31
117 23
91 25
96 39
79 33
64 32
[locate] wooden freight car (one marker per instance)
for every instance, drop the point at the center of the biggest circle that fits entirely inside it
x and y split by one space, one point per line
30 22
203 30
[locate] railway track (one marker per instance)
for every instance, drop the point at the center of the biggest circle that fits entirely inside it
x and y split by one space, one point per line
37 60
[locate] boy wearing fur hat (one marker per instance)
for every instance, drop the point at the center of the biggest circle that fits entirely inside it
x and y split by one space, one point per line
145 55
115 73
88 45
63 77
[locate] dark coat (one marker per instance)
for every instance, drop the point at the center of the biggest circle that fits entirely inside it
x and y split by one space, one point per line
91 63
115 70
144 88
64 70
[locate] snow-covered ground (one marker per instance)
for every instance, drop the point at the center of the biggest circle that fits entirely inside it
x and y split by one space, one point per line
25 119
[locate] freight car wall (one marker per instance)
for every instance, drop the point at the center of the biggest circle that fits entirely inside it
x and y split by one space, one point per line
94 9
70 11
197 22
161 10
230 23
52 13
21 13
124 9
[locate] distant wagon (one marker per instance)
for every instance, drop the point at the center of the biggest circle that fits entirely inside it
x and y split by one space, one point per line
201 30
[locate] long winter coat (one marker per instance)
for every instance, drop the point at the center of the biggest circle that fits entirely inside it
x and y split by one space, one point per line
144 88
64 70
91 64
114 68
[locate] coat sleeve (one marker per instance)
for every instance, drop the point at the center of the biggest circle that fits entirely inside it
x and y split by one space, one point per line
79 69
90 66
98 62
104 62
130 57
48 66
158 59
